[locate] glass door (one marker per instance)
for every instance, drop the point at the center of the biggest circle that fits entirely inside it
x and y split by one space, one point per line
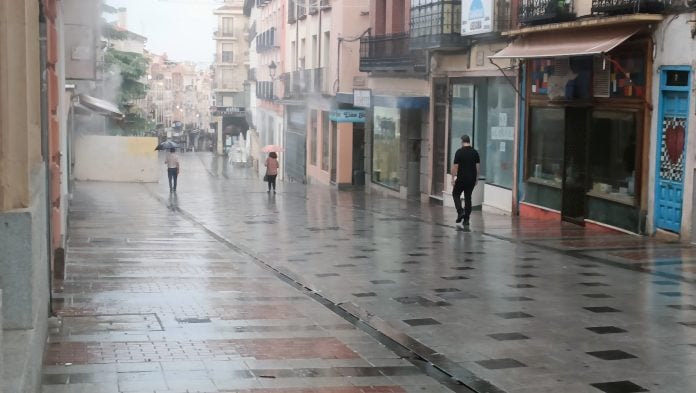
463 116
575 165
439 138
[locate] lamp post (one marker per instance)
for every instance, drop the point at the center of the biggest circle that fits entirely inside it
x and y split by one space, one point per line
272 68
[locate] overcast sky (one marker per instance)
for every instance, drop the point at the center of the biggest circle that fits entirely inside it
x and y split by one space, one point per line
181 28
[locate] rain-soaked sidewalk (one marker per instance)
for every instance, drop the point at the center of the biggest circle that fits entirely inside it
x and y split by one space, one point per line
224 287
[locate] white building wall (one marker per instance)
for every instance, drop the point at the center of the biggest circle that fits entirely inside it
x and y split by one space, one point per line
674 46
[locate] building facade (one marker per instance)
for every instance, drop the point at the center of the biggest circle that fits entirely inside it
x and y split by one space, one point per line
397 96
231 69
268 28
325 132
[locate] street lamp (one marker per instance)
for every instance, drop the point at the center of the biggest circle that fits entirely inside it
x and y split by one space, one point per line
272 69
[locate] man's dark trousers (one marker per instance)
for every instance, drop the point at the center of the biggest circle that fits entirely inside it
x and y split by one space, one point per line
172 175
467 189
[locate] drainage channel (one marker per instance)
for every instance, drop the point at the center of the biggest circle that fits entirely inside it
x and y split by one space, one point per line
437 366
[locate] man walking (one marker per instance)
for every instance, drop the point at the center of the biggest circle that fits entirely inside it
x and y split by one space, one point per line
172 163
465 173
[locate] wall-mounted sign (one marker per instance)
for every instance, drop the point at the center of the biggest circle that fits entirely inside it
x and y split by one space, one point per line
362 98
347 116
477 17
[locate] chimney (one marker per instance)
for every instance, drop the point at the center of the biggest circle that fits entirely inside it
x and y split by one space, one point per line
123 18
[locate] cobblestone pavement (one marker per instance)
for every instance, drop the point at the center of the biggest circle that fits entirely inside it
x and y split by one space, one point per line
231 276
154 303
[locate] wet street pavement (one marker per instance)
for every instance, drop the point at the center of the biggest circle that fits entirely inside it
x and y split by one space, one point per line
225 288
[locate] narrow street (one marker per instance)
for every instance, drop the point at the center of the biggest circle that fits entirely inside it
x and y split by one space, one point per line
226 288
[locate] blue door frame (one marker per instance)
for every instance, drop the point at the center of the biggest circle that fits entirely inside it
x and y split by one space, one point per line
673 115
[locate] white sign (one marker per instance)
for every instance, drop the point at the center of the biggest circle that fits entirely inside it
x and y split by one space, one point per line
503 133
502 119
477 17
362 98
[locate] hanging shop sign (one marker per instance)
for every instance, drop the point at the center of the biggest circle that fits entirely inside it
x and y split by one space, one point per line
477 17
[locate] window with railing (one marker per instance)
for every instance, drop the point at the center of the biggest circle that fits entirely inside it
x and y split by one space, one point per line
313 6
301 8
389 52
264 90
266 40
545 11
628 6
292 11
324 4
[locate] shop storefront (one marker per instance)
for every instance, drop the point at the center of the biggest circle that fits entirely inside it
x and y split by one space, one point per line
483 108
396 131
584 128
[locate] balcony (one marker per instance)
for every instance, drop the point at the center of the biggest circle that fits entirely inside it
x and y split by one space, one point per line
313 6
390 53
264 90
223 35
437 25
545 11
616 7
301 9
300 83
266 40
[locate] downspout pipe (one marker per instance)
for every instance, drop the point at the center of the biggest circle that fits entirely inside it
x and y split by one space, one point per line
45 151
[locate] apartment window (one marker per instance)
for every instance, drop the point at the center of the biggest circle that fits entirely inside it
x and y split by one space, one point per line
227 53
228 27
227 78
315 52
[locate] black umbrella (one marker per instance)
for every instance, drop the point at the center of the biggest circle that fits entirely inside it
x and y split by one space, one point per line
166 145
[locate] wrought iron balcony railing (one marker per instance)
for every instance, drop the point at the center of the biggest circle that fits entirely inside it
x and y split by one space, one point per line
545 11
615 7
390 52
436 24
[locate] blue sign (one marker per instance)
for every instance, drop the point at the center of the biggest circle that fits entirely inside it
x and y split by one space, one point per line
347 116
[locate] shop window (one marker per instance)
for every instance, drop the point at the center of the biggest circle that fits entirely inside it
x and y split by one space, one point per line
386 147
325 132
612 156
561 78
628 74
545 146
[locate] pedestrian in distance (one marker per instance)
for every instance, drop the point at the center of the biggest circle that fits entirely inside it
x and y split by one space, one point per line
271 171
465 173
173 167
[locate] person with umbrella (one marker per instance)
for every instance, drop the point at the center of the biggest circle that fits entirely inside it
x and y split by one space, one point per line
271 171
172 162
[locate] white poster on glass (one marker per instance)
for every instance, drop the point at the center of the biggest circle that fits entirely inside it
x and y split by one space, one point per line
477 16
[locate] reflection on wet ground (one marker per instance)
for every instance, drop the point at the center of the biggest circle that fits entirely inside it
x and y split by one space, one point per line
223 288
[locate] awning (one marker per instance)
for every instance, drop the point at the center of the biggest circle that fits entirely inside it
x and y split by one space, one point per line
567 43
100 106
